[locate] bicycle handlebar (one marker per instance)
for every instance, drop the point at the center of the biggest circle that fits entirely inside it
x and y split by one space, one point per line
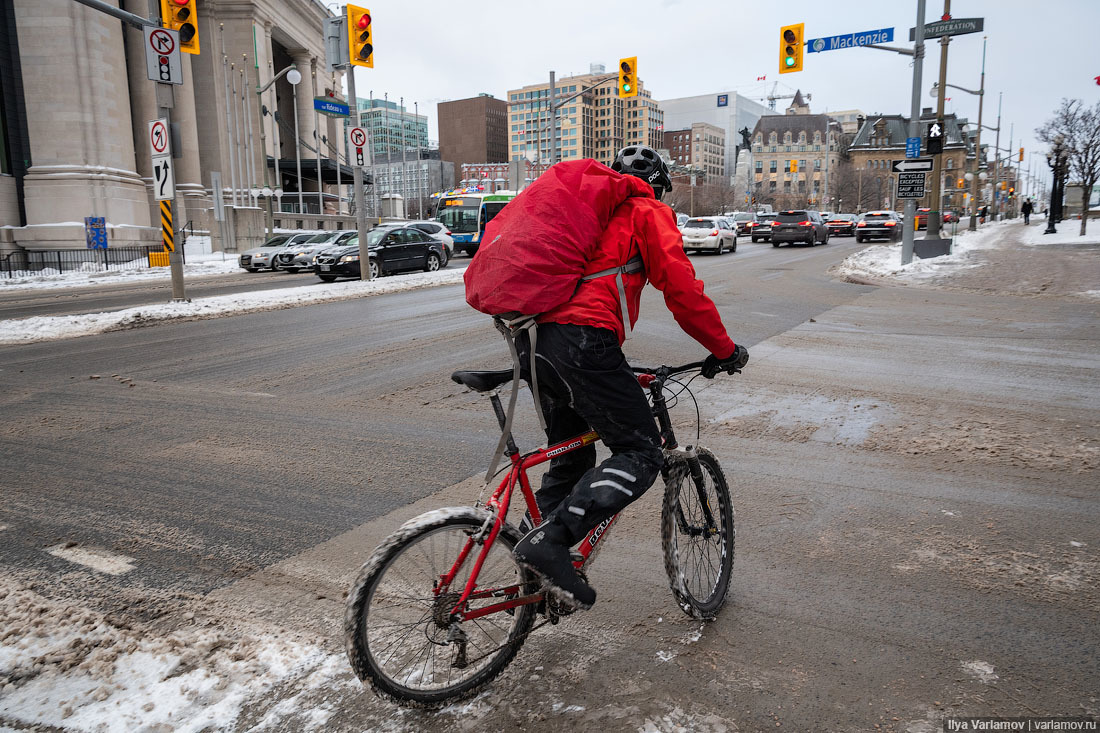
669 371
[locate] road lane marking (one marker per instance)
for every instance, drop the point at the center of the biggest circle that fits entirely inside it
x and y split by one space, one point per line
98 560
771 276
766 315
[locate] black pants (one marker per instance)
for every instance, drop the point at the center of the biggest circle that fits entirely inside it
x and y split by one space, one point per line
1027 217
585 383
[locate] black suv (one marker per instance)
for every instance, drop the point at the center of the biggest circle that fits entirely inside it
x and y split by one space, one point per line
391 250
799 226
878 224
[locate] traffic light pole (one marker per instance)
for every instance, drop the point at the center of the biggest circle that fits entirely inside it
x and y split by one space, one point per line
937 158
555 106
357 185
914 131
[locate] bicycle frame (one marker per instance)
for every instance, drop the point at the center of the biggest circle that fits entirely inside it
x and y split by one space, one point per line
501 498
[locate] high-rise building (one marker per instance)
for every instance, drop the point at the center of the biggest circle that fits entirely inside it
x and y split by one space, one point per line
595 124
393 128
473 130
727 110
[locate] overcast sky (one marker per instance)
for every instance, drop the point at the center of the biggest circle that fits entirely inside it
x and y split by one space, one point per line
431 51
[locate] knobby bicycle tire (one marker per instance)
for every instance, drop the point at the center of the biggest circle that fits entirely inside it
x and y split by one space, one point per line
372 640
699 567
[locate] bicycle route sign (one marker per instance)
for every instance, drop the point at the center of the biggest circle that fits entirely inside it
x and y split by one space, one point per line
911 185
162 55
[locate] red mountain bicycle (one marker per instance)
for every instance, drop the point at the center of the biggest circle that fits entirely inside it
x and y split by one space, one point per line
441 607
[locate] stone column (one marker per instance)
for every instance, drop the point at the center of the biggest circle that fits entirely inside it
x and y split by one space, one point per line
81 132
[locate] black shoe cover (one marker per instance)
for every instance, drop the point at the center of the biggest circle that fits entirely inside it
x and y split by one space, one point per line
545 550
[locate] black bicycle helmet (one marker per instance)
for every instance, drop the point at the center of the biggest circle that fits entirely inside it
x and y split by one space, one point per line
645 163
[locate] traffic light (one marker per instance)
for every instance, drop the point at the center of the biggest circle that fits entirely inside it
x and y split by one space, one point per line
790 48
1021 160
180 16
628 77
960 183
360 40
794 166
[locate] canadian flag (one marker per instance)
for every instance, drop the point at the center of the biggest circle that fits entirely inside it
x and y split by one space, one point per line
762 78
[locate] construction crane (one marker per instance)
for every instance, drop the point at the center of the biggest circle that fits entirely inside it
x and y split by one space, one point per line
773 96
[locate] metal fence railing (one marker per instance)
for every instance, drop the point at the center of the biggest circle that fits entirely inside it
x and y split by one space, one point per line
54 262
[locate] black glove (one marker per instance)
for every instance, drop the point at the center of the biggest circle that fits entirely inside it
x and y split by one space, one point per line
731 364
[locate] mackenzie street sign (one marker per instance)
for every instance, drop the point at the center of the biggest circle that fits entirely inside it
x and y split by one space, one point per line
953 27
850 40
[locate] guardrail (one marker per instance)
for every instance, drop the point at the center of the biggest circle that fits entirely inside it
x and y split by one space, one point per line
54 262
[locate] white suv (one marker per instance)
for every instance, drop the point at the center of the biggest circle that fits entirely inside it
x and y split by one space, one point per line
712 233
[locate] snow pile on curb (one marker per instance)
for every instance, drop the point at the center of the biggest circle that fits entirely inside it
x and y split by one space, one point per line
884 260
1067 232
46 328
69 668
197 265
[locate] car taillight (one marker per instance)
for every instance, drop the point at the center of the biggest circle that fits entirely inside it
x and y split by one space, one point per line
891 224
714 233
805 223
751 224
861 224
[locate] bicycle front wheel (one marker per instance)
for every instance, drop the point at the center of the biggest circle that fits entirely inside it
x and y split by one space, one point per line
697 534
397 629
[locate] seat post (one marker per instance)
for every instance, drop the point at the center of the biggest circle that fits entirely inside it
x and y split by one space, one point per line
498 408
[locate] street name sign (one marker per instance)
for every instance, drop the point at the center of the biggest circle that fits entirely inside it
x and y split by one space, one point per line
911 185
953 27
162 55
357 139
850 40
910 165
331 107
912 147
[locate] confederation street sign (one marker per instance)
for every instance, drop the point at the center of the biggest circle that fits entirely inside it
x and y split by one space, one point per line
851 40
912 164
953 27
910 185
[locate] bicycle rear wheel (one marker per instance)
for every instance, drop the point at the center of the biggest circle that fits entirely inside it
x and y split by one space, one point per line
397 629
697 535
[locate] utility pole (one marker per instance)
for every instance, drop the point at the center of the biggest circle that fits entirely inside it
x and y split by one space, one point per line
997 158
914 131
937 158
553 123
973 225
357 184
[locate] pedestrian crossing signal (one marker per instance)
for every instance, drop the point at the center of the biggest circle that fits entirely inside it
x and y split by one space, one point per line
180 16
360 38
628 77
790 48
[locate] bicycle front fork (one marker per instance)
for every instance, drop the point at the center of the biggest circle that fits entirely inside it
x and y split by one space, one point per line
695 469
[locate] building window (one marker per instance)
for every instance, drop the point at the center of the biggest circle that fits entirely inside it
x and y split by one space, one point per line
759 166
773 167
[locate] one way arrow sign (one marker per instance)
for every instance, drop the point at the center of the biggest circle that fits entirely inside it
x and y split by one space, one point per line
912 164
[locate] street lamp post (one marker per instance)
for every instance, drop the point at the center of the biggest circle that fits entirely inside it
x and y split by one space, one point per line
1055 159
293 76
297 140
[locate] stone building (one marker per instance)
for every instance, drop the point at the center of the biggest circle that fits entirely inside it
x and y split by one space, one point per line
881 141
793 156
473 130
77 103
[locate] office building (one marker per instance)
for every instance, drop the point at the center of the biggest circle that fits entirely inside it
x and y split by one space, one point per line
473 130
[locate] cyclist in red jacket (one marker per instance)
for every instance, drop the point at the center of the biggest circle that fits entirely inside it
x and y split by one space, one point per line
585 382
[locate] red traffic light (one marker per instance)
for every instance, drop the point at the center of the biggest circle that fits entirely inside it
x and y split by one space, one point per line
181 2
364 20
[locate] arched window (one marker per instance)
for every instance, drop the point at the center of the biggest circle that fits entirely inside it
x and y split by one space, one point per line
772 139
802 137
817 137
787 138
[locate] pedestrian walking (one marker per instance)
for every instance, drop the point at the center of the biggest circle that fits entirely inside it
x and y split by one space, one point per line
1026 210
985 213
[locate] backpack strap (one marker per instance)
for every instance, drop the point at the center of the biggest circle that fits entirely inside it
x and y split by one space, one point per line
509 324
634 264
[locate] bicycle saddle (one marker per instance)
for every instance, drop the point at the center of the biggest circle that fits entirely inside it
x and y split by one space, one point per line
483 381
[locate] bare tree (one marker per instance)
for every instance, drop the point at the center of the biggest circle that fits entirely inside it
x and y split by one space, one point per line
1079 127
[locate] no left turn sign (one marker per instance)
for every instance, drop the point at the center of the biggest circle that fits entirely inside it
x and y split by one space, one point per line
158 136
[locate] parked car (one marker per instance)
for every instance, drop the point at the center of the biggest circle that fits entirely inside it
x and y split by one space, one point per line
437 231
263 257
762 227
921 217
300 257
741 220
826 216
879 224
709 232
799 226
842 224
390 249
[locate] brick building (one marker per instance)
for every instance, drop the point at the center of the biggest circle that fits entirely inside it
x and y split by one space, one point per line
702 146
473 130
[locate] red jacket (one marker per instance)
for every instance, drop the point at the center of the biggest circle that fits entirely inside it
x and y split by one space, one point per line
645 226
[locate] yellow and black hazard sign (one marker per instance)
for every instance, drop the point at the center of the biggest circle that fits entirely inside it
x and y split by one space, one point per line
167 233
